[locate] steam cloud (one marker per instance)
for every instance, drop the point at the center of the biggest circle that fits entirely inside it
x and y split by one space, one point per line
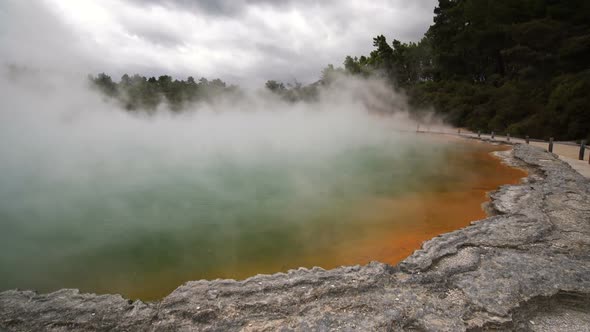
95 197
88 187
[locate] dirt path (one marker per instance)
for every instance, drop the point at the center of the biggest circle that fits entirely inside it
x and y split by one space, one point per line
566 152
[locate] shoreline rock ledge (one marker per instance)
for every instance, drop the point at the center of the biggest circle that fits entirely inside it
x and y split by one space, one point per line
525 268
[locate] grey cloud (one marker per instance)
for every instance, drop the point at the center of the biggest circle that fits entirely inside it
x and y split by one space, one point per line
277 52
226 38
155 35
228 7
202 7
34 37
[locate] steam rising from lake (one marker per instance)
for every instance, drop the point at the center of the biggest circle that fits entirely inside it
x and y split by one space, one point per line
95 197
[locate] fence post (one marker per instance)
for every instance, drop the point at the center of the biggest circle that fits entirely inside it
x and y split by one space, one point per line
508 136
527 139
492 135
582 149
550 144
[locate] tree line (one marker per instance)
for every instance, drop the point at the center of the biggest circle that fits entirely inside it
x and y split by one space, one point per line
138 93
510 66
513 66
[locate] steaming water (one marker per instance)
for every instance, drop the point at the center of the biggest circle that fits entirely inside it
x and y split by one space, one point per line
141 226
97 199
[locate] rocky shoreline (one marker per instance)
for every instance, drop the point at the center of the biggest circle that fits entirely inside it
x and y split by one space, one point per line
525 268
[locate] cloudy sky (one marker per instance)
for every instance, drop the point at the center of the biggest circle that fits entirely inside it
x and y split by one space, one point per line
243 42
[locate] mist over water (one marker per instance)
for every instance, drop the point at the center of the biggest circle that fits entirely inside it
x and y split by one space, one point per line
97 198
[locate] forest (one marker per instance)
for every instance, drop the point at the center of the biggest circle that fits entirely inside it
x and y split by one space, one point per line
138 93
510 66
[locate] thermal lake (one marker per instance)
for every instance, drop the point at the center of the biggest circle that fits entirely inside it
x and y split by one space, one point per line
130 223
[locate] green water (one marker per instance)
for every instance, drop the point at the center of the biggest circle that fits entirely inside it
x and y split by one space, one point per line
142 222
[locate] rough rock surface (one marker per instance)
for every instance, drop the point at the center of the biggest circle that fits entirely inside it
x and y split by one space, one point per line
526 268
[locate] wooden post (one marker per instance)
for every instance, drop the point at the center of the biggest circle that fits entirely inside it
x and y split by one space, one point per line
582 149
508 136
492 135
479 134
550 144
527 139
